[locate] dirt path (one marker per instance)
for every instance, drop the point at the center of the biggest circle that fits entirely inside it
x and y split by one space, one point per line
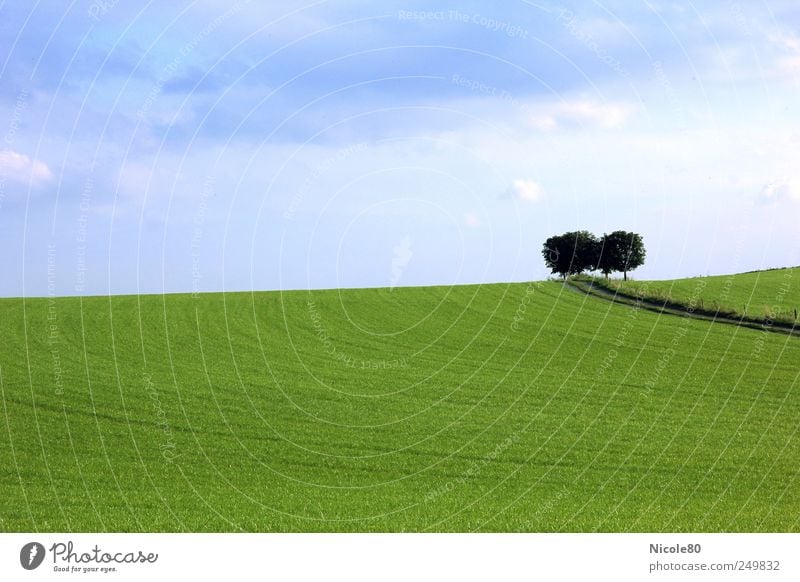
588 288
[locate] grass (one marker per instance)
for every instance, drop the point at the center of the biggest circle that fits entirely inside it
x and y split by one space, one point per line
473 408
760 295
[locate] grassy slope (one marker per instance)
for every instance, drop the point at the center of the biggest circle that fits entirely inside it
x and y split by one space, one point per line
755 295
582 416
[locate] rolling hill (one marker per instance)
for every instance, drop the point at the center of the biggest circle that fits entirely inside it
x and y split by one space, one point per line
757 295
509 407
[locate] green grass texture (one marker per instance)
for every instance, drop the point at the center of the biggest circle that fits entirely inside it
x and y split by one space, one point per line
504 407
773 294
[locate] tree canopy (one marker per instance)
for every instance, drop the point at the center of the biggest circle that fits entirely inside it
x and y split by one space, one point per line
622 251
572 253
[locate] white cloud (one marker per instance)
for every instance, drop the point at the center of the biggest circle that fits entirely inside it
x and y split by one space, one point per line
784 60
471 220
134 178
21 168
139 180
543 122
579 112
789 41
108 210
526 190
790 65
788 188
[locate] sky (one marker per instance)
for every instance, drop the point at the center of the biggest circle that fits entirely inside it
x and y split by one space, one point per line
208 146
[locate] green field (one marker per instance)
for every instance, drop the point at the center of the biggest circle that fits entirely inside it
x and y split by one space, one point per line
760 294
506 407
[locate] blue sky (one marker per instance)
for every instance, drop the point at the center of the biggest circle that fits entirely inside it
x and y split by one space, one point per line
232 146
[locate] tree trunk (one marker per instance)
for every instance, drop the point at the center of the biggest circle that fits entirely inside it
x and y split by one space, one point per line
625 274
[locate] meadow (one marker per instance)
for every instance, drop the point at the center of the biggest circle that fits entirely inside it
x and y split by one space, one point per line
506 407
756 295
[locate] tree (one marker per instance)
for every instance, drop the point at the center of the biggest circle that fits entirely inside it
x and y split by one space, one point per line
575 252
557 255
571 253
609 255
621 251
586 252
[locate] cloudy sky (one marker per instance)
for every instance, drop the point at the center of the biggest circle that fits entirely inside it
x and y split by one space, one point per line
233 146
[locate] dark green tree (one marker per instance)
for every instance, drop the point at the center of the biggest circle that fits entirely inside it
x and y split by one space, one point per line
557 255
571 253
609 255
620 251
